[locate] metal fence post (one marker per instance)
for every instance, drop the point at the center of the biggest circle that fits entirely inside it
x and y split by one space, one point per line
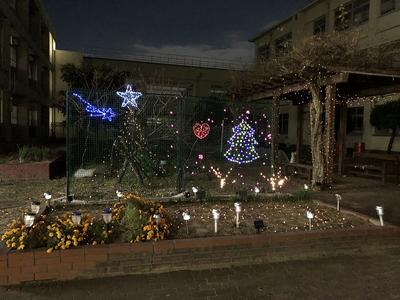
179 144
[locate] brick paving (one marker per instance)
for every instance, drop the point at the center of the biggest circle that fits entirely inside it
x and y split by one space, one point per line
372 276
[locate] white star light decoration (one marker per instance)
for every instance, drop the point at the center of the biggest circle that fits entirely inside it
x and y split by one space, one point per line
130 97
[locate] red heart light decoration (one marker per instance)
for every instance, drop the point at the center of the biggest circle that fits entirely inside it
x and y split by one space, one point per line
201 130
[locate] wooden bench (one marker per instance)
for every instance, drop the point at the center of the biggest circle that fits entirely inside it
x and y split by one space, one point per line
299 169
371 164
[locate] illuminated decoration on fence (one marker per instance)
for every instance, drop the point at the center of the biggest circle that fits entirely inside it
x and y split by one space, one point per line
201 131
104 113
130 97
242 144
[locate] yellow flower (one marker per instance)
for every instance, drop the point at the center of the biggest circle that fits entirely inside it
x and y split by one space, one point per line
51 234
13 245
68 243
49 250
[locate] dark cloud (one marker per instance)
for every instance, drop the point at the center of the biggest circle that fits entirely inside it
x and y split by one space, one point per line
207 28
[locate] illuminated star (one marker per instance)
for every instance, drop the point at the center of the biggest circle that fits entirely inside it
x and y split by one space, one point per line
130 97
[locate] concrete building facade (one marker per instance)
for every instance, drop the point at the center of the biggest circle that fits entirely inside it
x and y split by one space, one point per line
27 48
376 21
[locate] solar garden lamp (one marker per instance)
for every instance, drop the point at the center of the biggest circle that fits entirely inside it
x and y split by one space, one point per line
216 216
310 216
198 193
238 209
35 207
306 187
186 218
119 195
257 190
259 225
29 219
157 218
47 196
379 211
107 216
338 199
76 218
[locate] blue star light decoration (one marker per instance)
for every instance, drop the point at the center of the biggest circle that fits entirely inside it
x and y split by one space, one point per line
130 97
104 113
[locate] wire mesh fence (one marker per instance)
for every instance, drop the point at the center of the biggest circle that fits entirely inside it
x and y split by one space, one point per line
158 145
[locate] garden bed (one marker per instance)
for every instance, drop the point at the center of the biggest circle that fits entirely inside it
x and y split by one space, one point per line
42 170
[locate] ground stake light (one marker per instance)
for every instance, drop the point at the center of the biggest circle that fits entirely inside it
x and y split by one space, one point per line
29 219
216 216
107 216
47 196
259 225
119 195
310 216
76 218
238 209
186 218
338 199
157 218
379 211
35 207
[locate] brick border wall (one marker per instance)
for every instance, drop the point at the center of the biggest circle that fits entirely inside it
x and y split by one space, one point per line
189 254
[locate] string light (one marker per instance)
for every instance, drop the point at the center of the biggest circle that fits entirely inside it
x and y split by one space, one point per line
242 144
201 130
104 113
130 97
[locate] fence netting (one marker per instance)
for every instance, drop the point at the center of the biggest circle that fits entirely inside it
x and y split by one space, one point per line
161 145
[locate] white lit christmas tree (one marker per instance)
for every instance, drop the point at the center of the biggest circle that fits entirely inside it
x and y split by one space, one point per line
242 144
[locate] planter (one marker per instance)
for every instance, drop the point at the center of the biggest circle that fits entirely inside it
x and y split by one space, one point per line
88 262
43 170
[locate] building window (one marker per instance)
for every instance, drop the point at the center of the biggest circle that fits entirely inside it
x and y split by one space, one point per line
14 114
283 44
32 68
319 25
13 3
284 124
13 51
1 107
33 116
351 14
263 53
388 6
217 91
355 120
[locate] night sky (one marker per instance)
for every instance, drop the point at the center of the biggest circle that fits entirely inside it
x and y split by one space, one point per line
211 28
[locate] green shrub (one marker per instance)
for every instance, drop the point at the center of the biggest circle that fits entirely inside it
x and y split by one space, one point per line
133 223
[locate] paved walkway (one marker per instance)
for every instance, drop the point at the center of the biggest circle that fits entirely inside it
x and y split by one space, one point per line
363 195
359 277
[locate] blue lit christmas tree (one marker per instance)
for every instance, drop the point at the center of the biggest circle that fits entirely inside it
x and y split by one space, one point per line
242 144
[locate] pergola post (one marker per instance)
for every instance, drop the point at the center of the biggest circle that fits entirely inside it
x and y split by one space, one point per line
342 138
329 132
275 132
299 139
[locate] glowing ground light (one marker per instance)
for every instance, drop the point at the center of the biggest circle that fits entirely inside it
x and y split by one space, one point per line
104 113
242 144
130 97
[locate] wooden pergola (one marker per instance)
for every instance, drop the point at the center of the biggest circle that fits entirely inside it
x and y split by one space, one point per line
343 84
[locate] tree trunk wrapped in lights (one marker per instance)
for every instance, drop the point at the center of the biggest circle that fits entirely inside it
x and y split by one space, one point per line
316 140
